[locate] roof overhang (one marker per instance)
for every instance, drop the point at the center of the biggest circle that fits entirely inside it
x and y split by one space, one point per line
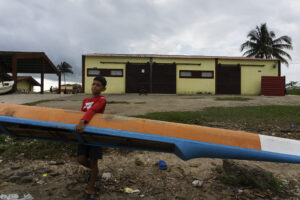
27 62
175 56
29 79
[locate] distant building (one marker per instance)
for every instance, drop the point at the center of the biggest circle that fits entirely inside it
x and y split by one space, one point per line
177 74
67 88
26 83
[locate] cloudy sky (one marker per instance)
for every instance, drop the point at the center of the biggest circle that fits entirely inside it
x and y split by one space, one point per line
66 29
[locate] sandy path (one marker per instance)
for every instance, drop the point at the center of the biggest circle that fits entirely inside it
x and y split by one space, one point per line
27 98
137 105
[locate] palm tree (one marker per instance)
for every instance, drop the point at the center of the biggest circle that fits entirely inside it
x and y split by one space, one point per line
263 44
65 68
292 83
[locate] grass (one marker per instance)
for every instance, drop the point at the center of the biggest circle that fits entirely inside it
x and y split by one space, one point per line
142 102
139 162
41 101
251 179
2 138
2 146
33 149
117 102
232 99
293 91
251 117
194 98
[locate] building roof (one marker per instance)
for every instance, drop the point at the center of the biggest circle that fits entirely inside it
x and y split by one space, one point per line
28 78
174 56
24 78
28 62
67 85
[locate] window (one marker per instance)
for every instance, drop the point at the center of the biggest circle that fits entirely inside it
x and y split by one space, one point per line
207 74
185 74
93 72
105 72
196 74
116 72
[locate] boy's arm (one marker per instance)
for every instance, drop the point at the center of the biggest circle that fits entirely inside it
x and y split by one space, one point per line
97 107
80 126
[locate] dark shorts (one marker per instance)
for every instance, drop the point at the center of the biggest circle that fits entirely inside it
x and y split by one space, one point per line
92 152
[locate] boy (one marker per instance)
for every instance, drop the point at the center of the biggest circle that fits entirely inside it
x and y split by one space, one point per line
88 155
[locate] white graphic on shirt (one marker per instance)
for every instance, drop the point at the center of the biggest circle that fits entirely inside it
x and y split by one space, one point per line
88 105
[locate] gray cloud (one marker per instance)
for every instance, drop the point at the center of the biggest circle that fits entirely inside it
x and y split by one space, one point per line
67 29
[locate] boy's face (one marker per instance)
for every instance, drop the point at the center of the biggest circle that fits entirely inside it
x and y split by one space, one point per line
97 87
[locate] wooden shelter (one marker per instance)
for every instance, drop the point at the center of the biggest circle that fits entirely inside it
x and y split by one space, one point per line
27 62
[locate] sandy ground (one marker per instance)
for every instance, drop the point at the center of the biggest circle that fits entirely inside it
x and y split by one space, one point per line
27 98
174 183
136 105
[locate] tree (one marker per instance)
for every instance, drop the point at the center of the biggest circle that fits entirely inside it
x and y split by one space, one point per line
76 88
291 84
263 43
65 68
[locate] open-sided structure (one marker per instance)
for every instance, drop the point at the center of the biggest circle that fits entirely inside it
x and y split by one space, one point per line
27 62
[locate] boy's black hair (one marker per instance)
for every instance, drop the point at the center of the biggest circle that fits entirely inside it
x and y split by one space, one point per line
101 79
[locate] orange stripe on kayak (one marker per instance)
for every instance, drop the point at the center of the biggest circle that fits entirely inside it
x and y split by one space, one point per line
184 131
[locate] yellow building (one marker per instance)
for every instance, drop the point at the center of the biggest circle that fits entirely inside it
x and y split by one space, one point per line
67 89
26 83
177 74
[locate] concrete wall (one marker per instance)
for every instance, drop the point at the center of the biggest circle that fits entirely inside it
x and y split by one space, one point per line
192 85
250 75
25 85
196 85
115 85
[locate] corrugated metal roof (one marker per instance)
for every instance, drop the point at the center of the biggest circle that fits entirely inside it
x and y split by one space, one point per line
173 56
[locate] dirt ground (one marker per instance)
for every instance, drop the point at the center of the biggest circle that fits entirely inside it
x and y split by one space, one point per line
27 98
134 104
64 179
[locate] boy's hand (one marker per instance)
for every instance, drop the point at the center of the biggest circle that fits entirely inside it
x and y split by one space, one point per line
80 126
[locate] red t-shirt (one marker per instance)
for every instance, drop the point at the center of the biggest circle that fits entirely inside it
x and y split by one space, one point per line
91 106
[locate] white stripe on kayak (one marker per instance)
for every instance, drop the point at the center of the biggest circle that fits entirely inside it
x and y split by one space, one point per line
280 145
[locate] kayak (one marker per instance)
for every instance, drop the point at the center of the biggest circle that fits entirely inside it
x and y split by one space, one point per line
186 141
